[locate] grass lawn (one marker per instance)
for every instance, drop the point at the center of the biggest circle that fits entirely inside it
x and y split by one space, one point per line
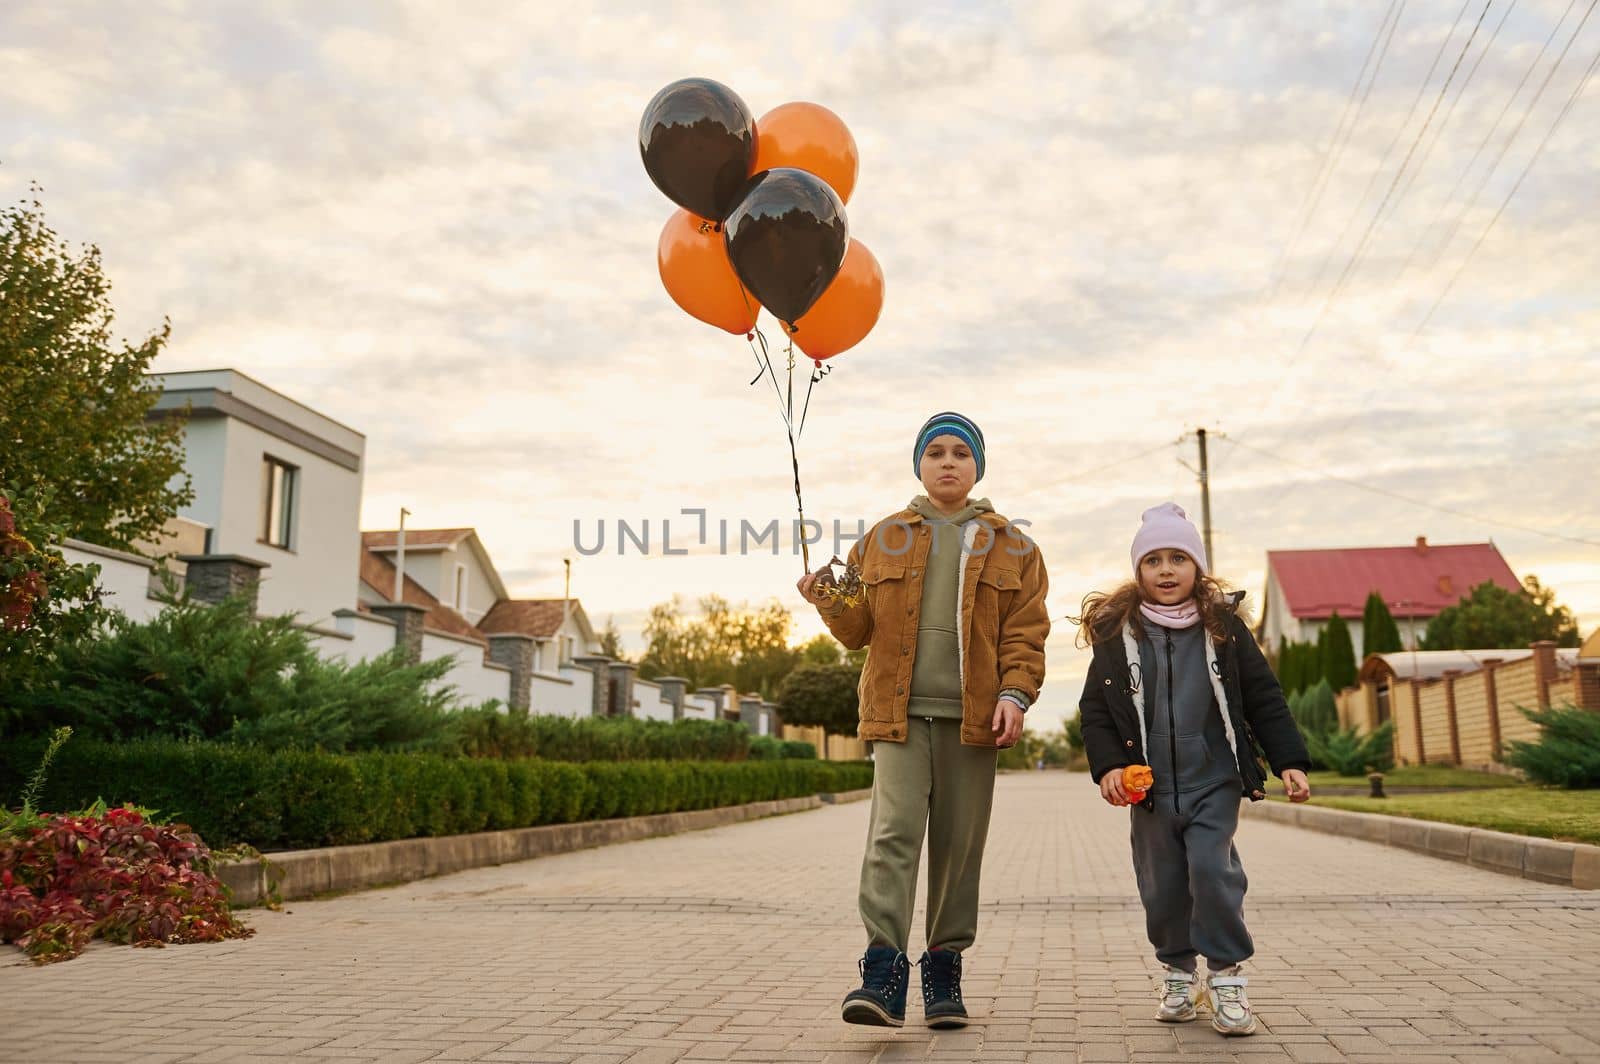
1571 816
1418 776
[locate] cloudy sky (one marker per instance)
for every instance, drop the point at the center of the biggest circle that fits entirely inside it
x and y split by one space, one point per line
1102 225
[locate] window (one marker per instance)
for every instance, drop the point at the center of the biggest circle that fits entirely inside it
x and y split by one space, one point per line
461 588
278 483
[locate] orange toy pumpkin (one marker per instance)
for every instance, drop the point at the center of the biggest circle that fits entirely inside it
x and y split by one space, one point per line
1137 781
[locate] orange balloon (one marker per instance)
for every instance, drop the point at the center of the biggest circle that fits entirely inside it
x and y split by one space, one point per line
847 310
695 269
809 137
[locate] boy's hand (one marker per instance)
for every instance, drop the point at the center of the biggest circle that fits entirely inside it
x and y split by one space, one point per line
1295 785
810 590
1111 788
1007 724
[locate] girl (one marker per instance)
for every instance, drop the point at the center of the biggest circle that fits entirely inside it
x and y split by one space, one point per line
955 622
1178 684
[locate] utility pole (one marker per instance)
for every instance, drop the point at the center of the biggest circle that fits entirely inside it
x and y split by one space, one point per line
1204 473
400 558
566 613
1205 501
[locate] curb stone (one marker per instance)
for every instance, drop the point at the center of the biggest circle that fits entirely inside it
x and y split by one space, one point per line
307 873
1571 864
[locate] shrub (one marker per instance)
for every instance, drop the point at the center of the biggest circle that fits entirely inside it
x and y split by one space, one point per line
767 748
1567 753
108 873
217 672
286 799
1349 753
490 732
822 695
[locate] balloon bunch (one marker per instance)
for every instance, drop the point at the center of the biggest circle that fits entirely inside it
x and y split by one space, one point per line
762 225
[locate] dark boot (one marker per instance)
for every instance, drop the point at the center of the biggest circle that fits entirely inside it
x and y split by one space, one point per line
881 1001
941 989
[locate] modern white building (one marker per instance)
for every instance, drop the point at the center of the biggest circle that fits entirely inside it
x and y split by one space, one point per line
276 482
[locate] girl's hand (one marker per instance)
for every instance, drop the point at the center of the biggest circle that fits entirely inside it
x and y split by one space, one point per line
1007 724
1111 788
809 589
1295 785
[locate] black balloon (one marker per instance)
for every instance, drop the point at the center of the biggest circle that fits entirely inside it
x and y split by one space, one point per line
787 239
698 141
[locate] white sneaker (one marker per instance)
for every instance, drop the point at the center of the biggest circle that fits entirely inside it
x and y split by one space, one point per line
1230 1009
1180 993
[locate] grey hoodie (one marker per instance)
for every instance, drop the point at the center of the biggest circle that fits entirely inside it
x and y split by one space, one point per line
936 673
1184 721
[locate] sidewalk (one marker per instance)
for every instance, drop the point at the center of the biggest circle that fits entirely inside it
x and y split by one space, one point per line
736 944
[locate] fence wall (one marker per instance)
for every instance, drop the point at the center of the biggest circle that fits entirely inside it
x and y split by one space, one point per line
1488 704
568 692
829 747
1472 719
474 679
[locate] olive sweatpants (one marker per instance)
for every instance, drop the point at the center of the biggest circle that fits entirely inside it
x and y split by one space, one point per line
930 784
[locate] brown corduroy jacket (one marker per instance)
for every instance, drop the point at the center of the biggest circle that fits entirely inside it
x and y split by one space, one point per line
1002 627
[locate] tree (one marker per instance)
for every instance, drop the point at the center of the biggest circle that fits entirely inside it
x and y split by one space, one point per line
1492 618
1299 665
611 641
821 650
1338 654
46 602
73 405
217 672
1379 632
747 648
822 695
1315 711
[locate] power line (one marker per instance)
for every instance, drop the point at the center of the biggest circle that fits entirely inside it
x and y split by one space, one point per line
1573 98
1484 143
1086 473
1341 137
1408 499
1387 152
1355 257
1438 133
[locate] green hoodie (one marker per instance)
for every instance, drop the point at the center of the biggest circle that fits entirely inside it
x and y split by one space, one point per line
936 673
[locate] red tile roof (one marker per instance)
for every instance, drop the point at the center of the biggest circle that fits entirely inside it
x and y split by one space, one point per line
1415 581
378 573
540 618
389 539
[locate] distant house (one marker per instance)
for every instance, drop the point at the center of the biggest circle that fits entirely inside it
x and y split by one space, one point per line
1306 587
276 519
559 627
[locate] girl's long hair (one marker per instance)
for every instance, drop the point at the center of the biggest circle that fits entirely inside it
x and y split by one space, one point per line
1105 613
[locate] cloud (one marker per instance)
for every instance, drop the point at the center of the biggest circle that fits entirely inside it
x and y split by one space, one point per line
434 227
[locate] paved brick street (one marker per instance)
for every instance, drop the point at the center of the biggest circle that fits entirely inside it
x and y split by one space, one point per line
736 943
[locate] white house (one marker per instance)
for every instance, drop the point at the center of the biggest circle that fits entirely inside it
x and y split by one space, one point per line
274 481
1305 588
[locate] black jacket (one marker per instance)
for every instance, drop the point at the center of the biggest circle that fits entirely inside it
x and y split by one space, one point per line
1256 707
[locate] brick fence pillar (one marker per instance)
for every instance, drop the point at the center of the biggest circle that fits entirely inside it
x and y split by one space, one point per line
515 652
407 627
214 577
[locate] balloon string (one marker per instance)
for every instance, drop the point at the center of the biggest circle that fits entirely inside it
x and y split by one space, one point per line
805 549
789 419
816 375
764 360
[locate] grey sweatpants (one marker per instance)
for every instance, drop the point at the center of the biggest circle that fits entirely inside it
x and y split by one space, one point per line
930 784
1190 879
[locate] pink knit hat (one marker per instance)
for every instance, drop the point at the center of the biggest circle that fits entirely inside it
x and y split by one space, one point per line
1167 526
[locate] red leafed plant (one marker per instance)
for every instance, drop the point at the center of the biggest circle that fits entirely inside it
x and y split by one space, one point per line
109 873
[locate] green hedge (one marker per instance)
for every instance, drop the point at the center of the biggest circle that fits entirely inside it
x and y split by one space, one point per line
491 732
295 799
768 748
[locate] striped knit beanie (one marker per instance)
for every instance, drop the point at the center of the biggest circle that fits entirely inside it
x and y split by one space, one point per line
949 423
